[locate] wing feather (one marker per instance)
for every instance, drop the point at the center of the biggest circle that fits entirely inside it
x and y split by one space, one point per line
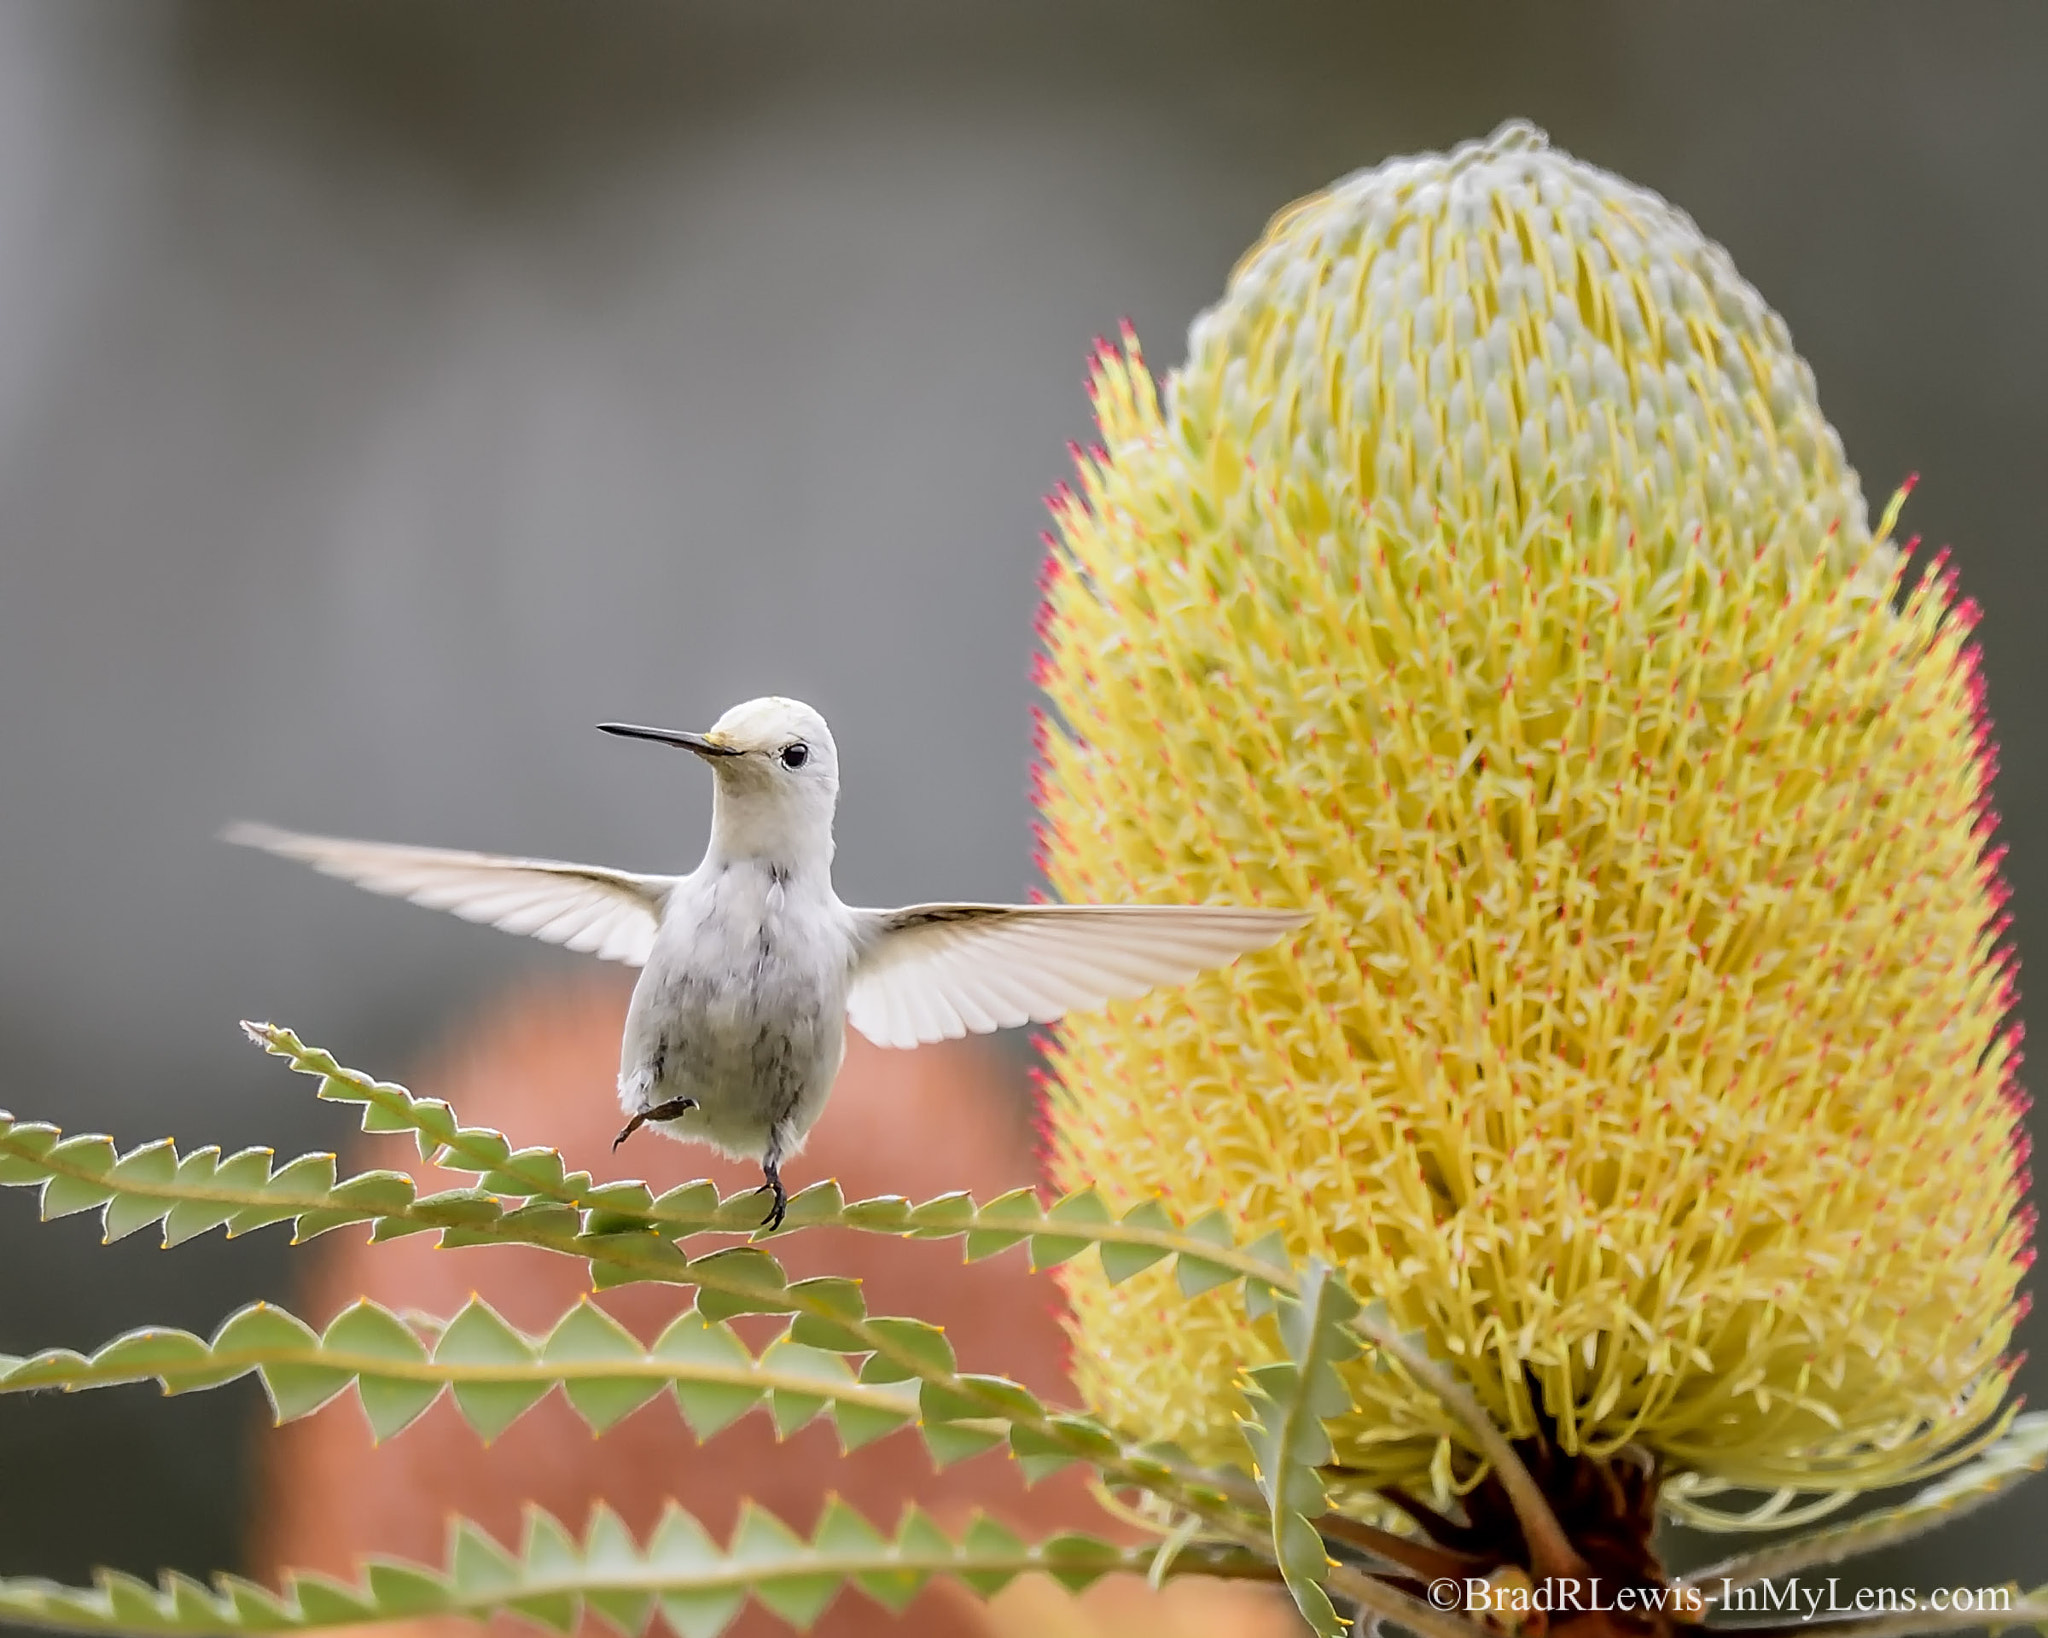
611 914
933 972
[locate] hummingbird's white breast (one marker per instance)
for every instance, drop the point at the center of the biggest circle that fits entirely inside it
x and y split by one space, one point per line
742 1006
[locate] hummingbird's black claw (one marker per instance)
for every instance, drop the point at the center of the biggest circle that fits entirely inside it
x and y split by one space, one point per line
661 1111
773 1220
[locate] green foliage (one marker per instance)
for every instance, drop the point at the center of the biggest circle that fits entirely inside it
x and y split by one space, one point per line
697 1585
1288 1401
869 1375
494 1373
2020 1453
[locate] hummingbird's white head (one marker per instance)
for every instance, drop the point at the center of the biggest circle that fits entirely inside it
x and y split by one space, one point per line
778 780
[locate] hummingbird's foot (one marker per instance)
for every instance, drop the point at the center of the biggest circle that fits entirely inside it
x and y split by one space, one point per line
773 1220
661 1111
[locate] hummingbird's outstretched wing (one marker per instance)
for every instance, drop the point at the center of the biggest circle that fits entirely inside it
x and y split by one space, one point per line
935 971
611 914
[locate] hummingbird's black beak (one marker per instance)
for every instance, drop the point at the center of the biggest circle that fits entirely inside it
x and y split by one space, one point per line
671 736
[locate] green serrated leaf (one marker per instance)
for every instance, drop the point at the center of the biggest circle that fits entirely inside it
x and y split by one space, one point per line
478 1148
1083 1209
1194 1274
842 1531
633 1257
252 1608
917 1538
365 1328
680 1548
458 1208
701 1612
884 1213
477 1566
1288 1400
549 1551
1018 1209
980 1243
792 1408
609 1551
404 1589
376 1192
862 1424
692 1203
989 1539
140 1355
1077 1561
941 1216
82 1163
907 1348
52 1368
1121 1261
820 1203
310 1225
259 1334
146 1165
739 1280
557 1611
765 1546
262 1328
126 1213
627 1196
1039 1454
299 1390
433 1125
392 1404
527 1173
325 1602
478 1338
589 1336
708 1406
310 1177
133 1602
971 1395
951 1442
192 1605
492 1407
190 1218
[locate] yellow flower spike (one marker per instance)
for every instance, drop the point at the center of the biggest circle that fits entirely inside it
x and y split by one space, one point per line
1489 580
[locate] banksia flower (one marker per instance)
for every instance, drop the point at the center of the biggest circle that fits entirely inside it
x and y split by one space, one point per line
1489 580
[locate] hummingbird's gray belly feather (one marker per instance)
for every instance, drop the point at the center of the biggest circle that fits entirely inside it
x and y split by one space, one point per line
742 1006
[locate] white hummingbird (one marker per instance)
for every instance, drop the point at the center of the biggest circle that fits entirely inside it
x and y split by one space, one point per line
751 967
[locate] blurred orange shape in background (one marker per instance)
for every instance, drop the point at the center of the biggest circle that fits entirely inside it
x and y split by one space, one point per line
541 1067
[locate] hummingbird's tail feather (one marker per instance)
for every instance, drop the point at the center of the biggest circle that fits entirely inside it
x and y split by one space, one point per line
936 971
611 914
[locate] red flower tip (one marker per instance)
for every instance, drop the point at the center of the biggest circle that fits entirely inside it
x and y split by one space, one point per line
1912 483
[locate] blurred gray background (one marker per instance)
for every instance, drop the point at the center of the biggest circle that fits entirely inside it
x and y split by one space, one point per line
390 391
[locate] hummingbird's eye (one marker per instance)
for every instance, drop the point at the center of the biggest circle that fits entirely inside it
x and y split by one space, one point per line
795 755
